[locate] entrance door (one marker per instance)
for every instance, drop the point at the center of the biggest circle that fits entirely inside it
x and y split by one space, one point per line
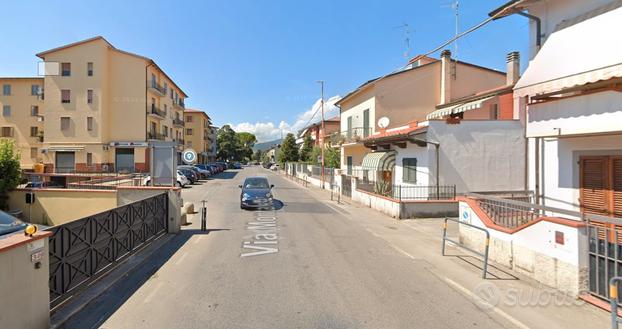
124 159
601 194
65 162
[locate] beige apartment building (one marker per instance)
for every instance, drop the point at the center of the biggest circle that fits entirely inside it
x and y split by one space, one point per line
21 119
198 134
103 106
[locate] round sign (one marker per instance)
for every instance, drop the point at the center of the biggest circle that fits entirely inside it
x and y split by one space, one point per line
189 156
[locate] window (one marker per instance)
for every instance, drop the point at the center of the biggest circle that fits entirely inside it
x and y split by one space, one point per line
6 110
6 90
89 96
89 69
494 109
34 131
154 82
34 90
65 95
349 127
165 87
189 131
171 93
89 123
33 152
89 159
409 167
165 131
64 123
170 130
188 118
65 69
34 111
165 109
7 132
366 129
349 166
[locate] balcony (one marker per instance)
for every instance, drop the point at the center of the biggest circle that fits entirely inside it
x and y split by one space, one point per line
179 104
180 142
157 88
156 136
178 122
157 112
353 135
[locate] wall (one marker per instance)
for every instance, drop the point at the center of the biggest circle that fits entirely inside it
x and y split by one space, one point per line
355 107
58 206
357 151
26 295
593 113
20 102
198 125
533 251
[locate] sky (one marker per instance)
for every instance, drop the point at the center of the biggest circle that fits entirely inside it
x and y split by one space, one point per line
255 64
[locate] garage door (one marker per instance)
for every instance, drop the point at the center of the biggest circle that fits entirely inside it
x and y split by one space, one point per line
65 162
124 160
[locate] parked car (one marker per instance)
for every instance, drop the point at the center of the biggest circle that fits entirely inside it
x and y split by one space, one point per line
50 184
192 176
10 224
256 193
215 169
193 169
274 167
203 171
182 180
237 165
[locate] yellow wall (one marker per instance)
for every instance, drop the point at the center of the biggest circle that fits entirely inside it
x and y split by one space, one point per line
21 120
54 207
200 126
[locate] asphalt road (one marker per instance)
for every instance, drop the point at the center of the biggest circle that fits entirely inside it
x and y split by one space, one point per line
312 267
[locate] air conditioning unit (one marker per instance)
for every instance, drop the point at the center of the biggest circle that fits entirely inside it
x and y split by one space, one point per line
40 118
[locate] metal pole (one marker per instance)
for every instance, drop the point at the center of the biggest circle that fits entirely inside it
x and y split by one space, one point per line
613 300
204 216
322 134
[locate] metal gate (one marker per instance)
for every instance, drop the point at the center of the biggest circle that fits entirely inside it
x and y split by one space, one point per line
82 250
605 255
346 185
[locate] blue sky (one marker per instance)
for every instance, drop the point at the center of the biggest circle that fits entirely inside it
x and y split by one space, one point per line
255 63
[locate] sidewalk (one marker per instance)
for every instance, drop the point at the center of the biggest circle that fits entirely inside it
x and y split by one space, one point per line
520 300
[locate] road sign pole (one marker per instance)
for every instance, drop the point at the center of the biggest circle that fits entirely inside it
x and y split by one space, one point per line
204 216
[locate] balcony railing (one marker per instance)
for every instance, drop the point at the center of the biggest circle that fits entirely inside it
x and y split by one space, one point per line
157 111
178 122
156 136
350 136
180 142
179 103
407 192
158 88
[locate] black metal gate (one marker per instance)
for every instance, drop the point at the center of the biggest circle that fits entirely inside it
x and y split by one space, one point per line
605 256
83 249
346 185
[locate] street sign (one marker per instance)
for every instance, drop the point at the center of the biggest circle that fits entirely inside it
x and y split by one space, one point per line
189 156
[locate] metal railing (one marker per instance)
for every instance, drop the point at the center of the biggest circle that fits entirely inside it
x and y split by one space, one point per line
484 254
178 122
157 87
157 111
614 292
407 192
350 136
156 136
81 180
82 250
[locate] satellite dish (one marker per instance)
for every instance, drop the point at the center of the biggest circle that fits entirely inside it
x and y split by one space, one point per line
383 122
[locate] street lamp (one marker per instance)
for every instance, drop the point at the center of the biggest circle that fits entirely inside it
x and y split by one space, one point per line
321 82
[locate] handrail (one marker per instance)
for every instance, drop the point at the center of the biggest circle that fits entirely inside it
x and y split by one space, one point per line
583 216
613 301
486 247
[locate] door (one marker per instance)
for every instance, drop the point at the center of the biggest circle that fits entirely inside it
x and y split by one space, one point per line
349 166
366 130
349 128
65 162
124 160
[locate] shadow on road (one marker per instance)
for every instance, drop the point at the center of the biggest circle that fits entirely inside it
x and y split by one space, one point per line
276 205
100 309
224 175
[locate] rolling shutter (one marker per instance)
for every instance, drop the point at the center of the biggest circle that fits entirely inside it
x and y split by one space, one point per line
616 168
594 185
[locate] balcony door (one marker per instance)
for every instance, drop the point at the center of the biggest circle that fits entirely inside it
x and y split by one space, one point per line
601 185
366 130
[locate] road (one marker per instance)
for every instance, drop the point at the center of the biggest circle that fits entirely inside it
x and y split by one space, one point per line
328 272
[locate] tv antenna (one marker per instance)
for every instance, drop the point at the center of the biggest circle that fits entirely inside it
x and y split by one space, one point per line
407 32
455 6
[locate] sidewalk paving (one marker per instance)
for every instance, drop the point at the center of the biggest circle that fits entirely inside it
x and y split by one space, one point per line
520 300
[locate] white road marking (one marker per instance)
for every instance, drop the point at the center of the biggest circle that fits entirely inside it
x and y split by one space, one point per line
153 292
181 259
493 308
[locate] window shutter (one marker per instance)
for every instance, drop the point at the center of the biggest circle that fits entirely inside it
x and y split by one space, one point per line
616 168
594 185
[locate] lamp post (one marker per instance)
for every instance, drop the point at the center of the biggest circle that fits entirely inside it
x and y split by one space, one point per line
321 82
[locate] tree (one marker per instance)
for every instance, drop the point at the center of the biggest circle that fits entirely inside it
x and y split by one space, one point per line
9 169
258 155
307 148
246 141
227 142
289 150
332 157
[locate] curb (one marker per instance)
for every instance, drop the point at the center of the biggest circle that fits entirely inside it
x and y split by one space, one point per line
104 283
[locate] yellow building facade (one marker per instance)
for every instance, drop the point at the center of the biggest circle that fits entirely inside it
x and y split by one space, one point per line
198 134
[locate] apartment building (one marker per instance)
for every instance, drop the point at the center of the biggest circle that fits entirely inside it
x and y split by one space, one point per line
104 105
331 125
198 134
213 149
21 101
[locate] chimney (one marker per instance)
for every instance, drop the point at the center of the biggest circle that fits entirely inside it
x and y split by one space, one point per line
513 68
445 76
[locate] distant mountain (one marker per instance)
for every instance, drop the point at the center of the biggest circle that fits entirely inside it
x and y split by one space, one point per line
266 145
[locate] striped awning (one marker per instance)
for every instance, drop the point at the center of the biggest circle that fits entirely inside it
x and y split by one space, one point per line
379 161
458 108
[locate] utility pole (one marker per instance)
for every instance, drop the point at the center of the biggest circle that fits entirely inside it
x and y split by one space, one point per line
321 82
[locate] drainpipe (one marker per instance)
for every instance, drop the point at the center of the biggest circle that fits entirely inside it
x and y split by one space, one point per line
147 102
538 22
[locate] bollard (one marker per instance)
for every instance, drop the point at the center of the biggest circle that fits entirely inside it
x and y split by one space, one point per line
204 216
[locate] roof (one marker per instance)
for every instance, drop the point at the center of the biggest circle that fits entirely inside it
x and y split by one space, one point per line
397 132
510 8
196 111
479 95
373 81
22 78
112 47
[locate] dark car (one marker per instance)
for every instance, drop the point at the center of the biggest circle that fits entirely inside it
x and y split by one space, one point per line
190 174
205 167
10 224
50 184
256 193
237 165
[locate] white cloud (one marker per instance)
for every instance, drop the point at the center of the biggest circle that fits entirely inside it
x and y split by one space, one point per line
267 131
